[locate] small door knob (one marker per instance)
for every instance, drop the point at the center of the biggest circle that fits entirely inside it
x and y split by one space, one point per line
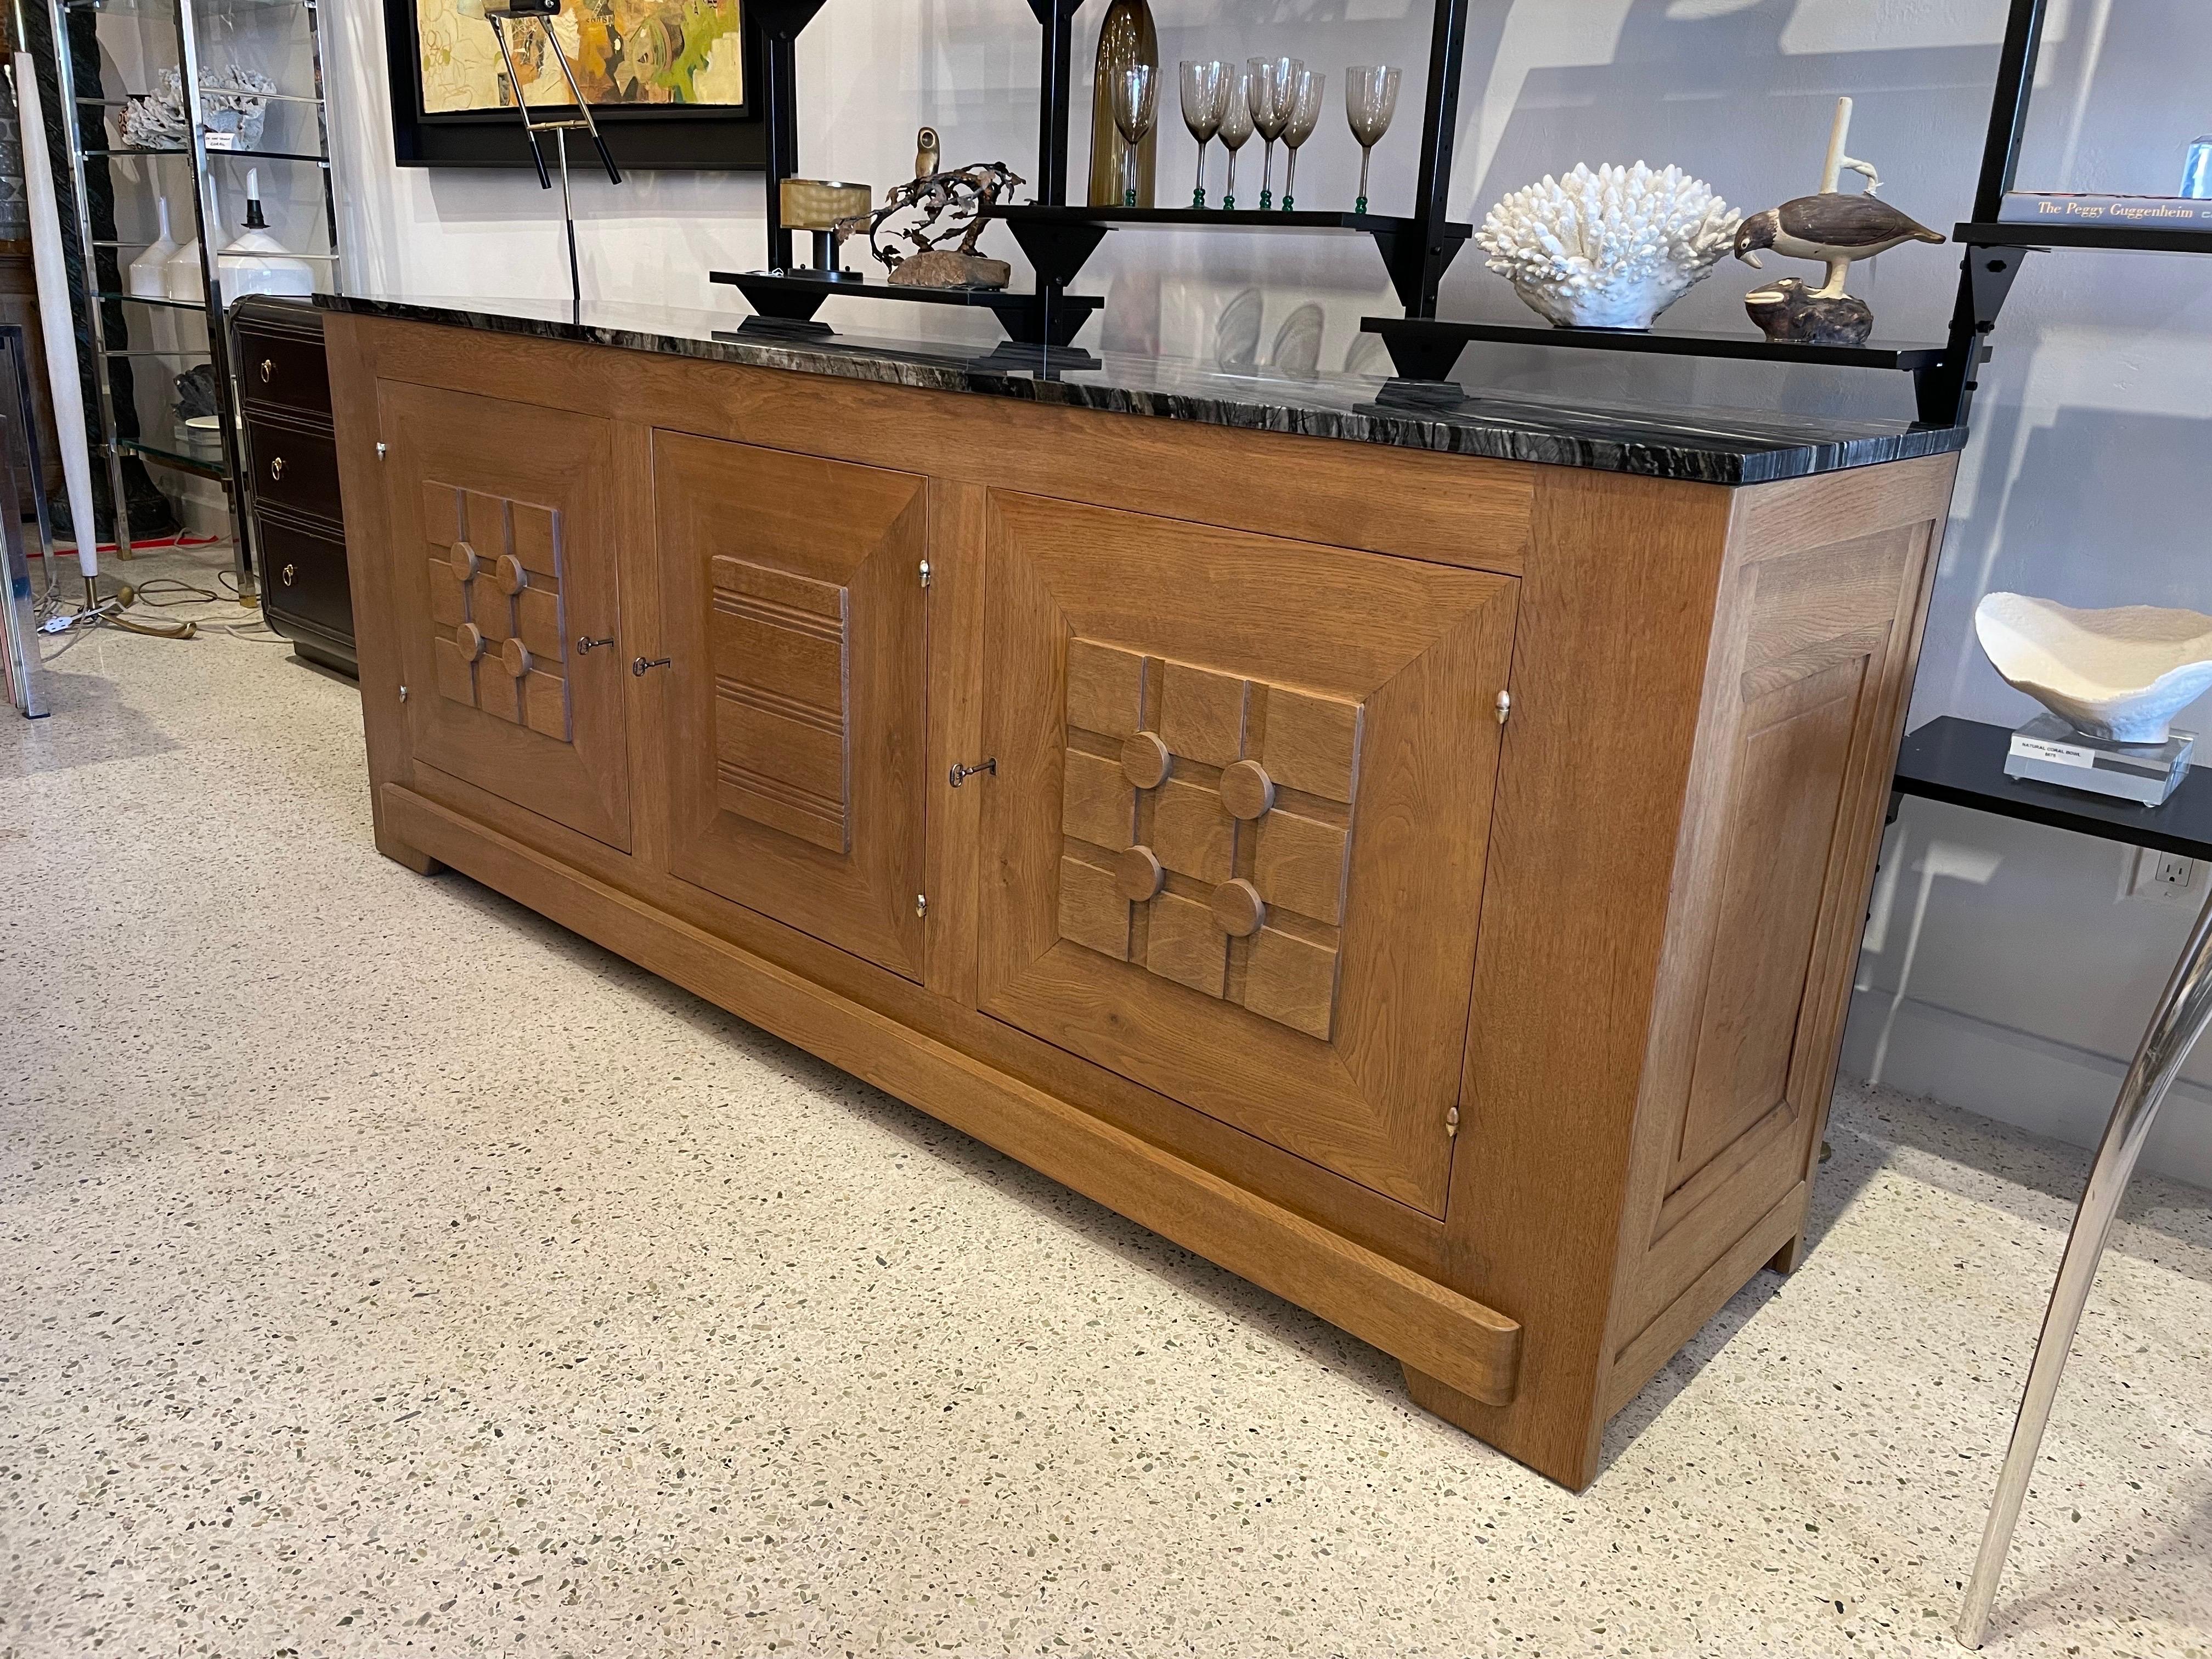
1238 909
1247 790
289 572
1137 874
268 370
275 469
1145 761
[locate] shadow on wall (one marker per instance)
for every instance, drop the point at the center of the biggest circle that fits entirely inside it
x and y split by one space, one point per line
2098 509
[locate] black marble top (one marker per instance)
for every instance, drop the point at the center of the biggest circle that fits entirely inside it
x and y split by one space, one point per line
1707 446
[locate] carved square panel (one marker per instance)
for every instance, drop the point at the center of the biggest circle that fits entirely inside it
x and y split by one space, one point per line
1312 743
1092 911
1292 982
1300 865
1105 689
1182 943
1202 714
535 531
1096 803
530 690
1192 835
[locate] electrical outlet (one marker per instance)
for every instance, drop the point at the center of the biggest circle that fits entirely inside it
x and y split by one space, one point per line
2164 877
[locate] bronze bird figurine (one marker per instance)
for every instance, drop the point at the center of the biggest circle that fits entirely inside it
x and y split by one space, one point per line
1833 229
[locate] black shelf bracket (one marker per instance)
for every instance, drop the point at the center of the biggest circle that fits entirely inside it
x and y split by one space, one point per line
1944 394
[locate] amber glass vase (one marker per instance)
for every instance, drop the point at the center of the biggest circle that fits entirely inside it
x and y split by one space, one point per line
1127 37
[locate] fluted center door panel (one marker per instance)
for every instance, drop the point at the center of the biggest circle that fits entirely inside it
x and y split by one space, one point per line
503 557
1235 847
794 620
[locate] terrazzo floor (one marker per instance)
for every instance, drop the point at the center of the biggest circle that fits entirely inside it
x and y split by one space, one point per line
384 1271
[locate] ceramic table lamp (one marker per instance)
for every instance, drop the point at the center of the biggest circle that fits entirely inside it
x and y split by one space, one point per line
257 263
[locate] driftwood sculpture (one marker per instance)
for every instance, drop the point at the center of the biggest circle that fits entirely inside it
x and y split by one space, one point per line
951 202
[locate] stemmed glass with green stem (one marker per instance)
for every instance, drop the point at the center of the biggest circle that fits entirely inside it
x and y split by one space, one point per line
1305 115
1235 128
1134 89
1269 101
1371 98
1204 87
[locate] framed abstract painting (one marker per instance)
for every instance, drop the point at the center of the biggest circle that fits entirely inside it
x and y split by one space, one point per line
670 82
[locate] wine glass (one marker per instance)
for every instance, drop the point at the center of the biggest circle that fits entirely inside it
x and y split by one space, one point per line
1371 98
1235 128
1270 104
1205 86
1305 115
1134 89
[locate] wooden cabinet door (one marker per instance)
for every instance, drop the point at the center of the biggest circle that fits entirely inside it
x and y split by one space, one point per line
793 613
503 557
1235 847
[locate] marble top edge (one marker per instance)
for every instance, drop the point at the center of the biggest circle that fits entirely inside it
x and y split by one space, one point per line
1720 446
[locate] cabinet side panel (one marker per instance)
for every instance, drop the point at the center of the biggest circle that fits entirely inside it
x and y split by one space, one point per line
350 353
1609 659
1804 698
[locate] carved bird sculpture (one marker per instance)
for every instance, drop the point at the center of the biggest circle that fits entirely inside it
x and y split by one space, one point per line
926 152
1831 228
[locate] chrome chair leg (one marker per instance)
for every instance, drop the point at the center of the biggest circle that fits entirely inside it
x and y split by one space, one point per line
2182 1015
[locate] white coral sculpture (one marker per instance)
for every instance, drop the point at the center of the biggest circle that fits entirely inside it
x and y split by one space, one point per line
1609 249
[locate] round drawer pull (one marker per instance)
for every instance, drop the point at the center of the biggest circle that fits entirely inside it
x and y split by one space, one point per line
513 578
290 571
1246 790
1145 761
516 655
469 638
1238 909
1138 875
465 562
268 370
275 469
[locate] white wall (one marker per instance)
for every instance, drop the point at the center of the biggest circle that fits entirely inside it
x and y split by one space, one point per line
2003 973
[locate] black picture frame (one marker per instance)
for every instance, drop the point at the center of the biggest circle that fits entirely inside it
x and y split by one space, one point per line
643 137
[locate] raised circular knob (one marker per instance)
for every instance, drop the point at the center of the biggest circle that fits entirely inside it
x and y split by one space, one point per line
1137 874
465 562
469 638
510 574
1237 908
1145 761
1246 790
516 655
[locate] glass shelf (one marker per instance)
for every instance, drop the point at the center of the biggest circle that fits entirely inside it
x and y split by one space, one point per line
248 154
181 351
199 305
191 463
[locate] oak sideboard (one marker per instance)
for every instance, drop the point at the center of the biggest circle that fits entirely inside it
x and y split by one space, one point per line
1410 851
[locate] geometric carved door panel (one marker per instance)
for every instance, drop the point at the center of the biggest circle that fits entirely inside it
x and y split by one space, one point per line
505 559
1235 847
793 615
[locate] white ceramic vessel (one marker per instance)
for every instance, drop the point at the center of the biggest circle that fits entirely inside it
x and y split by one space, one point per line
2121 674
1609 249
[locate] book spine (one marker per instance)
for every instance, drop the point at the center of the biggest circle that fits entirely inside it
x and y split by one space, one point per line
2029 207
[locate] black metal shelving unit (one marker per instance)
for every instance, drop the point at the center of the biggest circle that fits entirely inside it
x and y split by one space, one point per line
1057 237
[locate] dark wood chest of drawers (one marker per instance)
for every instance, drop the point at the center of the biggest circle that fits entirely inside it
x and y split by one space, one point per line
291 477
